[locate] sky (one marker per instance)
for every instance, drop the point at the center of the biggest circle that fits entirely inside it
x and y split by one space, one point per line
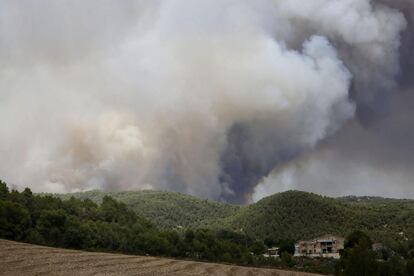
230 100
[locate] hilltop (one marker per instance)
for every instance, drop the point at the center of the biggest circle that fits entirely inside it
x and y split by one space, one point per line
293 214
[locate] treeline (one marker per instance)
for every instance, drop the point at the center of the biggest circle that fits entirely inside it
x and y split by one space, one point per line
112 227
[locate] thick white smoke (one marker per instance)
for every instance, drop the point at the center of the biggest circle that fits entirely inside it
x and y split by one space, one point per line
175 94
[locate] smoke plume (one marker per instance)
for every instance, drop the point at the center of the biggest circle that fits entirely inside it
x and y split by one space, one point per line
372 155
204 97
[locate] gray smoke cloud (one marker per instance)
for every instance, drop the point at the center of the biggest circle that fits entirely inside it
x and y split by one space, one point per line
201 97
372 155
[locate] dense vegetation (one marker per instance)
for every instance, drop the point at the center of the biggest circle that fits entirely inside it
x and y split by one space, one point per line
166 209
300 215
189 227
290 215
112 226
359 259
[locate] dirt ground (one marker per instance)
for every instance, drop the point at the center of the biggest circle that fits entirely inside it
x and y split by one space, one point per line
26 259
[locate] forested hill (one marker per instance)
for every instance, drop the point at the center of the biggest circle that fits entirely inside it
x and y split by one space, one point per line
293 214
300 215
166 209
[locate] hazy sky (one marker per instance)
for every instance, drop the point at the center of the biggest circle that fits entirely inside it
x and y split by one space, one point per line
226 99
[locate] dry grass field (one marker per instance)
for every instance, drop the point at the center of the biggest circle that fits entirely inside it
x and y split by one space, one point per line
26 259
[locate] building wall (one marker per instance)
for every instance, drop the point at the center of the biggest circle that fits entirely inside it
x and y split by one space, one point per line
326 245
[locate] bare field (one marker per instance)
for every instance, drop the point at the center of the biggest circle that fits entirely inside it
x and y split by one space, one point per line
26 259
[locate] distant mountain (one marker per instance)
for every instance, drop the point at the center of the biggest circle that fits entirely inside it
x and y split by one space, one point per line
293 214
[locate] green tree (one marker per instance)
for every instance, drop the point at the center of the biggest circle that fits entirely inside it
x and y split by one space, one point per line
4 190
358 258
287 246
51 225
14 220
358 238
287 259
156 244
257 248
114 211
269 242
76 234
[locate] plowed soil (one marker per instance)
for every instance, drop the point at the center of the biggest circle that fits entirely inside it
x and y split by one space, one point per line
26 259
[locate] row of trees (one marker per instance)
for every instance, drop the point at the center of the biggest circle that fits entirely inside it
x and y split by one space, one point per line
111 226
